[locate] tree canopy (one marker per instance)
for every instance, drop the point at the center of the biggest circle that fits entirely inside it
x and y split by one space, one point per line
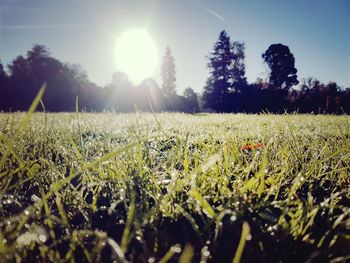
227 74
283 74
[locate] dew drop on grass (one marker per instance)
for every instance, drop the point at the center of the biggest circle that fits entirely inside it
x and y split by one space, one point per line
42 238
205 252
176 249
26 212
249 237
4 241
233 218
35 198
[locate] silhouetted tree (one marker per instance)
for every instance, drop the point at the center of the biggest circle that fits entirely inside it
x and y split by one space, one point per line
168 73
64 83
3 88
226 89
191 100
238 97
149 96
281 63
71 82
21 89
119 93
221 77
238 67
281 78
44 67
3 74
314 96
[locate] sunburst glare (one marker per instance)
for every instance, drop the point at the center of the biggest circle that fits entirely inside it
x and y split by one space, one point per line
136 54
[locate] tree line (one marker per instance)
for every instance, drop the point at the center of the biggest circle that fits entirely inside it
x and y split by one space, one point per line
226 89
65 82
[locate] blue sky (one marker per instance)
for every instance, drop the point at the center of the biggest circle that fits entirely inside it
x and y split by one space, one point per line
84 32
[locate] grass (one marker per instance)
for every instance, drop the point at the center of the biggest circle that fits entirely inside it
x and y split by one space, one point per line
103 187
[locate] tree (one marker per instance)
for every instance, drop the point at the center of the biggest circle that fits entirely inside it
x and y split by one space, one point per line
119 93
191 100
3 77
3 88
221 77
2 72
168 73
22 90
238 67
64 83
44 67
281 63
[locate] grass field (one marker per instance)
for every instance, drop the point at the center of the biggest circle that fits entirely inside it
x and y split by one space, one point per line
170 187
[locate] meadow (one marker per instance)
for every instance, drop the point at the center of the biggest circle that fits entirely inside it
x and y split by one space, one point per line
172 187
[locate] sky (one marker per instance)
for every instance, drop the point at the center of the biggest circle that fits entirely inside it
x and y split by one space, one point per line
84 32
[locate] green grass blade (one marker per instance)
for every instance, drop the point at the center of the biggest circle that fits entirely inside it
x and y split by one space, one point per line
241 244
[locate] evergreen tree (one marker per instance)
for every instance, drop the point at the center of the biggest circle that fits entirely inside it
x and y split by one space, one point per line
238 67
168 74
221 75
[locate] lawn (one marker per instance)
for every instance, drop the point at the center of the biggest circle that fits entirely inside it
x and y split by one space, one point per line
171 187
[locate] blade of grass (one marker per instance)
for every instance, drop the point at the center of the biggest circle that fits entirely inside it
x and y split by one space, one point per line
241 244
171 252
32 108
187 254
206 207
130 217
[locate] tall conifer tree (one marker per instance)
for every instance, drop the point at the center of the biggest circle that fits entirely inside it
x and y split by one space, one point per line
168 73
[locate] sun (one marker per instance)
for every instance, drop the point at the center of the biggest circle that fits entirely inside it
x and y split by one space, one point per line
136 54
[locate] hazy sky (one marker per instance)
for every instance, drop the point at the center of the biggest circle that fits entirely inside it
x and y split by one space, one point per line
84 32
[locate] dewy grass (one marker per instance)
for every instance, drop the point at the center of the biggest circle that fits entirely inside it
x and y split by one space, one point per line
104 187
